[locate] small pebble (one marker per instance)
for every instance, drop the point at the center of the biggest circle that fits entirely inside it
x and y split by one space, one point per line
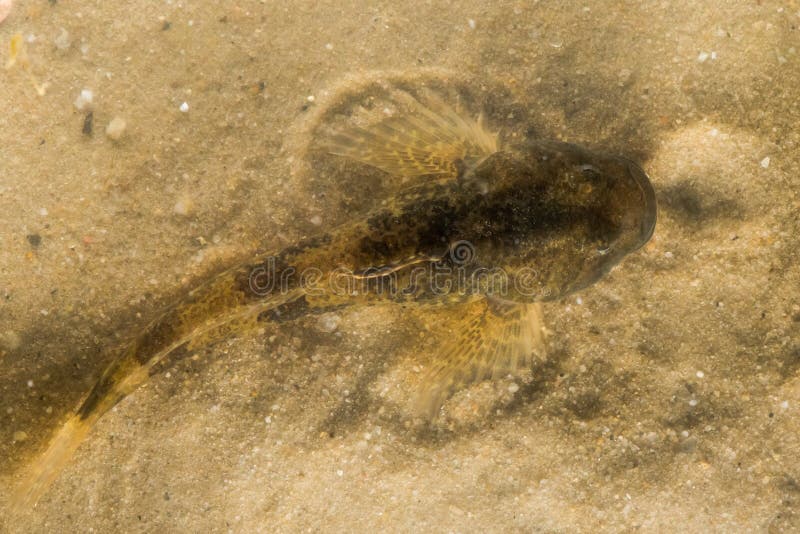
316 220
5 8
328 46
116 128
471 24
19 435
702 57
62 41
765 163
328 322
84 100
43 212
700 374
184 107
183 206
513 388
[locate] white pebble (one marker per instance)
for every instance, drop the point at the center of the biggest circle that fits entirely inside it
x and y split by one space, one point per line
579 301
30 383
339 472
310 98
84 100
693 402
669 255
62 40
183 206
328 322
328 46
316 220
513 388
116 128
471 23
184 107
268 419
765 162
19 435
784 405
702 57
700 374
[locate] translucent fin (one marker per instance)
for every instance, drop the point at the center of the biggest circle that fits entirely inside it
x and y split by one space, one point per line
41 474
427 139
492 339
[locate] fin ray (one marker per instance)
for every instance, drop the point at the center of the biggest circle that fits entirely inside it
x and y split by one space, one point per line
493 339
429 139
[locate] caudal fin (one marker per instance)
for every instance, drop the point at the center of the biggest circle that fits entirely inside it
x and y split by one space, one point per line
212 311
38 477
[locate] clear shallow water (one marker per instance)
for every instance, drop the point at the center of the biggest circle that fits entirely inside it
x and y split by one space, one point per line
670 395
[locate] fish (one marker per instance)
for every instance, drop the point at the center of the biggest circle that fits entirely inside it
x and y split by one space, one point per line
484 230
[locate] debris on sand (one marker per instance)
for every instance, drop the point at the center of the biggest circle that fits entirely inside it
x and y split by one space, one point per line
116 128
18 54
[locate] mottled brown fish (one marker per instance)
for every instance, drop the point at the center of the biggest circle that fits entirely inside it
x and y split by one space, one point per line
488 231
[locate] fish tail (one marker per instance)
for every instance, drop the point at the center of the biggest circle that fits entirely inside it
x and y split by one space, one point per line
120 378
212 312
47 468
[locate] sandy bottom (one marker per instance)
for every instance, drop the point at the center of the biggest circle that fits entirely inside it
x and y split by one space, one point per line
670 398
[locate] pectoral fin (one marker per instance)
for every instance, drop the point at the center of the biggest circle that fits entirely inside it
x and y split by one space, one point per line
492 339
430 139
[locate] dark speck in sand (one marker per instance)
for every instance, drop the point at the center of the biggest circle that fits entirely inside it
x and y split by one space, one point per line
167 25
88 123
35 240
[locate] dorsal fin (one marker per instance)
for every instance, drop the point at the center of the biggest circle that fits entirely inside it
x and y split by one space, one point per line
427 139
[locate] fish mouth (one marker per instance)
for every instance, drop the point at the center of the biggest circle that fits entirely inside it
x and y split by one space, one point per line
650 209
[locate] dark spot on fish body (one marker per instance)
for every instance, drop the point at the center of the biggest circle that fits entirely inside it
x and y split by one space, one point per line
303 246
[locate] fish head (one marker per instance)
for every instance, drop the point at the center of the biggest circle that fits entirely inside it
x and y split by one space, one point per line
607 202
567 213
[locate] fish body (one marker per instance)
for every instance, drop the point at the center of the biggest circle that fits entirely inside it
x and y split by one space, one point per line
488 231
